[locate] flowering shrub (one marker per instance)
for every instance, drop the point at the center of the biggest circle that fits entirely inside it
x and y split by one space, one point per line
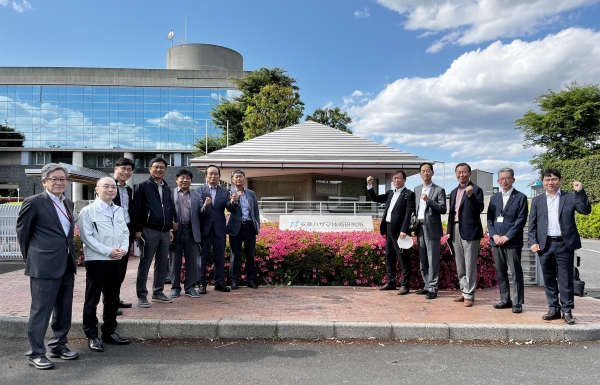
11 200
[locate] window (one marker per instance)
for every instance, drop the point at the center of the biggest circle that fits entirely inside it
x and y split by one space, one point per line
43 157
185 161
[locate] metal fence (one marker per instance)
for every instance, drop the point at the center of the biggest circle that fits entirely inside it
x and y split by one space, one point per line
9 246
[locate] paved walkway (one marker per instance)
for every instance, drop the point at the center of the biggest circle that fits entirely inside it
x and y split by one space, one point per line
315 312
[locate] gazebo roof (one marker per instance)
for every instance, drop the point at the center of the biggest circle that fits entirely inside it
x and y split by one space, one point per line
310 147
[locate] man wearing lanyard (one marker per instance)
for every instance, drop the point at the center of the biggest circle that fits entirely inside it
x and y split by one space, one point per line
45 231
243 226
553 235
506 217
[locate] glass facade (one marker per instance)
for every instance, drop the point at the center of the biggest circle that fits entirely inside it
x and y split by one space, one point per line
110 118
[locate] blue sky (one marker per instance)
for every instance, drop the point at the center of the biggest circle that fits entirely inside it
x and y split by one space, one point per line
444 80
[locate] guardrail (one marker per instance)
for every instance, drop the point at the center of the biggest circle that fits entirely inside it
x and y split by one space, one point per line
9 246
320 207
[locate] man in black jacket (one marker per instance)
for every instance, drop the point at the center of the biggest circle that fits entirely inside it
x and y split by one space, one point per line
154 216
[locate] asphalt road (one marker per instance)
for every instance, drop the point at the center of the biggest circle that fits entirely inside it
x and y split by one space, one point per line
294 362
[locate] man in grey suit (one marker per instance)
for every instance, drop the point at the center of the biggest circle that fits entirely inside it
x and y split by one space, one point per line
553 235
187 235
430 200
243 226
45 231
506 217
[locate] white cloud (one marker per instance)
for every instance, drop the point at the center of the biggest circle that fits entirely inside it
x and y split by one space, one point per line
22 7
470 109
4 2
366 12
476 21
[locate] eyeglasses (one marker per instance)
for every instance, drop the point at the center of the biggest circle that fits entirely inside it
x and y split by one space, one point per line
109 186
57 180
213 174
126 169
504 179
158 168
427 171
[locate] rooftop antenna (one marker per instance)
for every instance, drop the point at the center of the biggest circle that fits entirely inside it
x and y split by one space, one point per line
170 37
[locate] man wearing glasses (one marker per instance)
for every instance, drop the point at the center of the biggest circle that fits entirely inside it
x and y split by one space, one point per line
124 198
430 200
153 224
45 231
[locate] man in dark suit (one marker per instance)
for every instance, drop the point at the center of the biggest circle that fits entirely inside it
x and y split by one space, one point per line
430 203
553 235
123 171
187 236
213 227
506 218
399 205
45 231
243 226
465 231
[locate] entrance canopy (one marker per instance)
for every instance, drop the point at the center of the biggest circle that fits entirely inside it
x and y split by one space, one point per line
310 147
76 174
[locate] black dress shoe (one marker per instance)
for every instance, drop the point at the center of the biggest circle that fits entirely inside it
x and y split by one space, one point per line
115 339
119 312
569 320
124 305
422 291
95 345
201 289
64 353
503 305
403 290
252 285
551 315
41 363
431 295
234 285
388 286
518 308
222 287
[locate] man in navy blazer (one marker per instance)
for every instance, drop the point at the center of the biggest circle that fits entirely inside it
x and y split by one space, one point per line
465 231
186 237
506 218
243 226
213 227
553 235
399 206
45 229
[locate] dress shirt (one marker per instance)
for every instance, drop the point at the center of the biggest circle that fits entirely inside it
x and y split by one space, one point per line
553 225
213 193
245 206
61 210
459 195
388 217
124 201
505 196
422 203
185 205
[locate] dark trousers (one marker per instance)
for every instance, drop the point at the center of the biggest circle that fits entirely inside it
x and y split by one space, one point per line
186 246
99 275
392 251
557 260
156 247
218 245
505 257
50 297
246 235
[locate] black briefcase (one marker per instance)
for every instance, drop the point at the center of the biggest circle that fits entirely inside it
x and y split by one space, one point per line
579 287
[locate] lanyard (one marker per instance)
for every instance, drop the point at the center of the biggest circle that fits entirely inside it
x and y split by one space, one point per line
66 214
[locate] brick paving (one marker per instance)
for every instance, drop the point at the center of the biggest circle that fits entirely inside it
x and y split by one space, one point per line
306 304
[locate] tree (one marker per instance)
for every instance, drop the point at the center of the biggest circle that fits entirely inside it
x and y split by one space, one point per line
235 111
331 117
567 126
214 144
9 137
274 108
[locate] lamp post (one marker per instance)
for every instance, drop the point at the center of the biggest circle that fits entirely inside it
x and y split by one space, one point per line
443 172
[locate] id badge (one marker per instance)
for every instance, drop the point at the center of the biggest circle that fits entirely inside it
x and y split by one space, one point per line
500 220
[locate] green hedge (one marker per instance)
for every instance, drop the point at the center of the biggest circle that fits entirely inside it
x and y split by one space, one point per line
586 171
589 225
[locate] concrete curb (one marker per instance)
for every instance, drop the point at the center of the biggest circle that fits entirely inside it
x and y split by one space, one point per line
172 329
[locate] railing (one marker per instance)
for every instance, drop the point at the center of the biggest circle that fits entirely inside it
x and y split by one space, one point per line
9 246
320 207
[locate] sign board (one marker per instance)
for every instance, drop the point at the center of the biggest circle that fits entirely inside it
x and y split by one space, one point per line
326 223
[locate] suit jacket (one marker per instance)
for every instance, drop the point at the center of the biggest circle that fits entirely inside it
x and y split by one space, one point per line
214 214
404 207
44 245
117 200
469 211
514 218
194 213
568 204
235 219
436 206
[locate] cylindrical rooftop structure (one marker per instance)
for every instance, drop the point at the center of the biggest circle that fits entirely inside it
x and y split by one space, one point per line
203 57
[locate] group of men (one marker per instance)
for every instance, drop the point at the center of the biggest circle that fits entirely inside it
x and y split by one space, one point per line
187 223
552 234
